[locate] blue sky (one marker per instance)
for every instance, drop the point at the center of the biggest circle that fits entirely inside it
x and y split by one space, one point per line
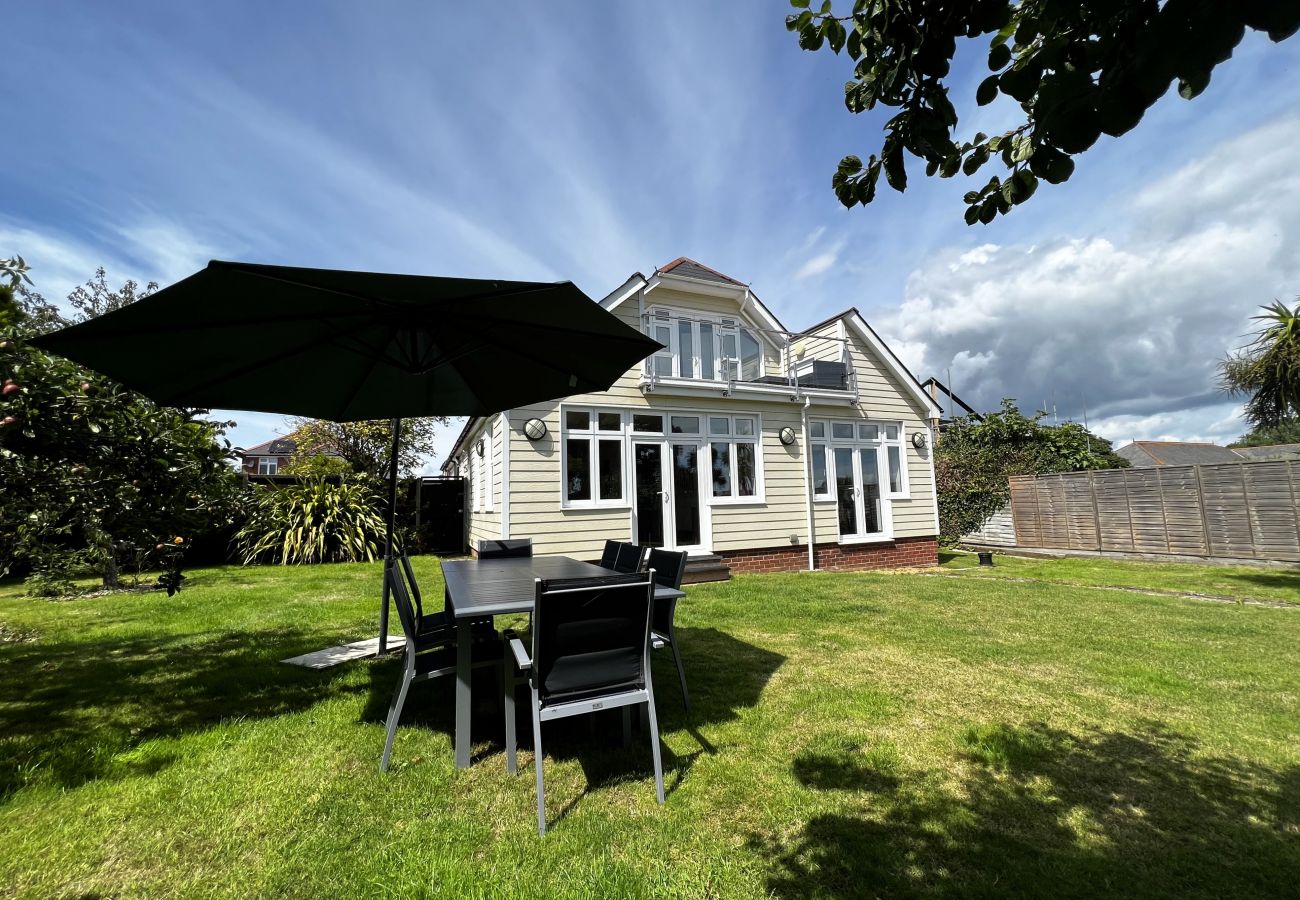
584 141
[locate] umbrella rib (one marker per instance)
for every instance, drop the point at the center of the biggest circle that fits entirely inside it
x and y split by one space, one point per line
242 370
374 361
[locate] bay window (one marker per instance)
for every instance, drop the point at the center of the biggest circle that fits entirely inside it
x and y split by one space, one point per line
594 447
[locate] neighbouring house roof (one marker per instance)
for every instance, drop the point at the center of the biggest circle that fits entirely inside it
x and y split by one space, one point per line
1175 453
1273 451
934 387
273 447
689 268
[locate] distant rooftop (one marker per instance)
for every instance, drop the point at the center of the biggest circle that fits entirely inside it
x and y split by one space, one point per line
1175 453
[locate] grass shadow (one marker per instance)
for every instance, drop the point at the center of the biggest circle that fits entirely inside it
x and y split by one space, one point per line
74 711
1045 812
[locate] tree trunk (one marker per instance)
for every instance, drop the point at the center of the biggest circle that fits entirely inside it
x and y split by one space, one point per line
110 569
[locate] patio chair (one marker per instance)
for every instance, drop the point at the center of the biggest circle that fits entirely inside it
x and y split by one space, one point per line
610 555
669 568
629 558
515 548
430 651
590 651
432 623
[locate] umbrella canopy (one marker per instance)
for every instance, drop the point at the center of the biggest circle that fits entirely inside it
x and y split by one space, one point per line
345 346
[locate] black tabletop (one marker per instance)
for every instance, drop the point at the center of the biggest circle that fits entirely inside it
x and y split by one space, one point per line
493 587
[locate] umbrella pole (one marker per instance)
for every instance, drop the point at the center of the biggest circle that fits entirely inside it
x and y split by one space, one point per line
388 534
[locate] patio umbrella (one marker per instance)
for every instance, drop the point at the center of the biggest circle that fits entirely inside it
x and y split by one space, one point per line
346 346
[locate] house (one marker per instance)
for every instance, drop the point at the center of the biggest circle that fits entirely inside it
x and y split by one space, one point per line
267 458
740 442
1175 453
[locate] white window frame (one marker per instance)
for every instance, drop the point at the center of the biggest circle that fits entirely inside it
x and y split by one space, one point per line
731 439
594 435
488 466
823 444
671 317
268 465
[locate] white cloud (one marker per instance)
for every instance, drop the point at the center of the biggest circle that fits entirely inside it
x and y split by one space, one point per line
1127 324
816 265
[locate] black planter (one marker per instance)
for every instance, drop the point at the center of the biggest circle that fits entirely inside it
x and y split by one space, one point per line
986 558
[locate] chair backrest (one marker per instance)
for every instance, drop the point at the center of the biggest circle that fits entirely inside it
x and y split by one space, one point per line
610 556
514 548
414 587
669 566
591 636
628 560
402 599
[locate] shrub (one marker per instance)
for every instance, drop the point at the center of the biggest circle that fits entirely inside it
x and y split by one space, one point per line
312 521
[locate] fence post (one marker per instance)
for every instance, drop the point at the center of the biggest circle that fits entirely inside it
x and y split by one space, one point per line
1096 511
1205 511
1164 513
1246 504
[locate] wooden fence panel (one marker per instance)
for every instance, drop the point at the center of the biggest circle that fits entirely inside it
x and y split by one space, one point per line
1240 510
1148 512
1227 517
1272 509
1114 525
1081 513
1184 525
1024 510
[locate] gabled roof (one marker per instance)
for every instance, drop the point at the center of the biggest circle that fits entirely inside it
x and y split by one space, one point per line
1175 453
689 268
854 319
1269 451
279 446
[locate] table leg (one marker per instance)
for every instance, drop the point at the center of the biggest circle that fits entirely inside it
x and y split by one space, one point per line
464 700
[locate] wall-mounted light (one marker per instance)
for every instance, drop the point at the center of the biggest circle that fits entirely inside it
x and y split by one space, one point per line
534 429
787 436
918 440
479 446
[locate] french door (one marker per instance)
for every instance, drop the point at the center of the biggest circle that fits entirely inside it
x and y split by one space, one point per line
861 510
669 496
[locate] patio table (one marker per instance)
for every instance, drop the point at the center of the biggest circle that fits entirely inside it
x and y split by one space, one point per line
481 589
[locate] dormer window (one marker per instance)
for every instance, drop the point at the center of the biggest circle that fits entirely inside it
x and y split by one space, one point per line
703 347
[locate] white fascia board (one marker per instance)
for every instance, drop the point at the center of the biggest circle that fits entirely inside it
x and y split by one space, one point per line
624 292
891 362
687 387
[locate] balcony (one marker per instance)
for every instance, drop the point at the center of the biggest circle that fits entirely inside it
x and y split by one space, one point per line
822 380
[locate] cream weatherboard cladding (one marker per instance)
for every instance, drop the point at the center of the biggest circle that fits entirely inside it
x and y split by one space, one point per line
776 519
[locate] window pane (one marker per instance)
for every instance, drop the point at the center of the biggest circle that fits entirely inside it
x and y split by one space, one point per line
749 356
719 425
611 469
845 492
746 470
744 426
686 349
871 492
577 451
707 369
664 365
842 430
686 424
609 421
647 423
868 432
891 432
818 429
820 485
577 419
895 470
721 470
729 358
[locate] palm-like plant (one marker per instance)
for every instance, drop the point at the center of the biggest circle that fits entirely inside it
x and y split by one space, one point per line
1267 370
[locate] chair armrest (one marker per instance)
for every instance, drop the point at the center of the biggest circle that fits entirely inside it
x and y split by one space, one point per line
517 648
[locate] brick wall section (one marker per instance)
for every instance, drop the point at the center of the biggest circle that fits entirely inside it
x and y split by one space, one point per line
900 553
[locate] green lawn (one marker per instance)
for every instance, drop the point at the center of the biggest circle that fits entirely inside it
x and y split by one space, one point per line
1274 585
853 735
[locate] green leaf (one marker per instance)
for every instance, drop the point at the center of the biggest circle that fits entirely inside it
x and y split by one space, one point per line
826 7
972 215
988 210
799 4
987 92
999 56
854 44
895 171
850 165
1192 85
835 34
